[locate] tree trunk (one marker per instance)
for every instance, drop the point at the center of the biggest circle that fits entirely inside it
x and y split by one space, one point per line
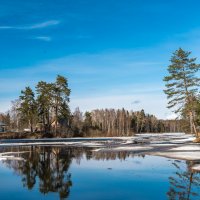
190 185
193 129
56 121
31 125
191 122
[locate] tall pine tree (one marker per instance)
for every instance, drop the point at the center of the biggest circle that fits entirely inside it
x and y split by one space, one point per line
28 107
182 85
61 94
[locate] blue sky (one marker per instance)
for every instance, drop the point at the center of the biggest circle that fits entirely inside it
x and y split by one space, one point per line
114 52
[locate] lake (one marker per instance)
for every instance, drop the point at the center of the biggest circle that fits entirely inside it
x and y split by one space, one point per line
43 172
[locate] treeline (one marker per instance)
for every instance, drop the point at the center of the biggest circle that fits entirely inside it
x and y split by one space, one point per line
45 110
104 122
121 122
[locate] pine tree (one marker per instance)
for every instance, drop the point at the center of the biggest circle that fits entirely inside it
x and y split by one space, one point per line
61 94
53 99
44 104
182 85
28 107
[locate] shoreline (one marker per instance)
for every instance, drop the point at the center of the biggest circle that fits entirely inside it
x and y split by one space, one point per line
170 145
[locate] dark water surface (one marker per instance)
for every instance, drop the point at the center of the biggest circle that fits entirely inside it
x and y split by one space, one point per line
83 174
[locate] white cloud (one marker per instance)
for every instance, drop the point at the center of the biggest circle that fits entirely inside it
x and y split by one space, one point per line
33 26
44 24
6 27
43 38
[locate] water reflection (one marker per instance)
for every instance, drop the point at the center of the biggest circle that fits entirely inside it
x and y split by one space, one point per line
50 165
183 181
48 169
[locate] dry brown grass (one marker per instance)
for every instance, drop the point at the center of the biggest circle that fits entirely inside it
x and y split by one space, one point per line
197 140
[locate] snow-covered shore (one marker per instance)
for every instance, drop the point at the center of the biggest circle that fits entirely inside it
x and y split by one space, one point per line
171 145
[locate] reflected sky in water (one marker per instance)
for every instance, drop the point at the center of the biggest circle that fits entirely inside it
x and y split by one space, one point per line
81 173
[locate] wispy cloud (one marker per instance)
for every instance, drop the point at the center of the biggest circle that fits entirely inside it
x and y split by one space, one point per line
43 38
44 24
33 26
102 63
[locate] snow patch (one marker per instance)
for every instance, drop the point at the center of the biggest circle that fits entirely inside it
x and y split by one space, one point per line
196 167
187 148
125 148
133 148
179 155
10 158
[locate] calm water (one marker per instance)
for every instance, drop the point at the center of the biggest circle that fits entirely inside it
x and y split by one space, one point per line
66 173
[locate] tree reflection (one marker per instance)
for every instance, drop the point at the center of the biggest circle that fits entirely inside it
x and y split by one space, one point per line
185 182
48 167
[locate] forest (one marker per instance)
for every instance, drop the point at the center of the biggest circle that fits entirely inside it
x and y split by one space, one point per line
45 109
99 122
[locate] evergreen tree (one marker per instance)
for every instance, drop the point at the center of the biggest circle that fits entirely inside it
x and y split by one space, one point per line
182 85
44 101
53 99
61 94
28 107
87 122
